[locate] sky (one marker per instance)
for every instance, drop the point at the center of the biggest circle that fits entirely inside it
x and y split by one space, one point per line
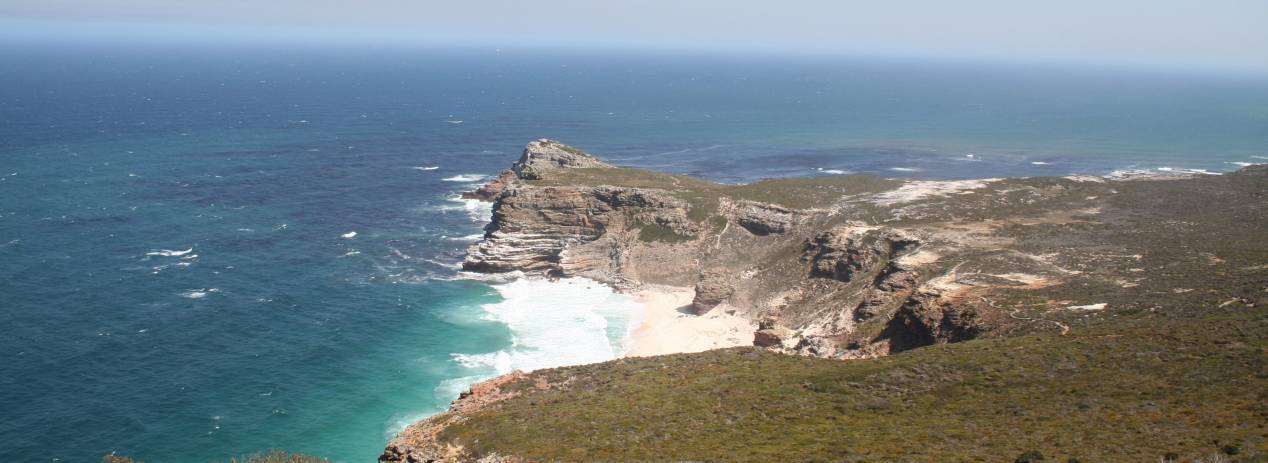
1198 34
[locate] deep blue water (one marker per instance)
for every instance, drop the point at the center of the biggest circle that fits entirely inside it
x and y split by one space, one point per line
274 330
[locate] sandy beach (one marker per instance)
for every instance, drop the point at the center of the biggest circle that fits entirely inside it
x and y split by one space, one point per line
667 327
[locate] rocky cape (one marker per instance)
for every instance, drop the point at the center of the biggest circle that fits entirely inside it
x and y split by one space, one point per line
860 266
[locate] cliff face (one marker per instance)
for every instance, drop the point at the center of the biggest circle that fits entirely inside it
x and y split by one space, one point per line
834 267
857 266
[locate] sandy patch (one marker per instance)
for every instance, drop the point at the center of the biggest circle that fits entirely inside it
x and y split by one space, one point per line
917 190
1089 307
667 328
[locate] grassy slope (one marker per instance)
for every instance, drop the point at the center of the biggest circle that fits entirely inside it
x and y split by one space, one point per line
1131 390
796 193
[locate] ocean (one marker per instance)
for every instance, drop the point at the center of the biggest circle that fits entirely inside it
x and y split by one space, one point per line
207 251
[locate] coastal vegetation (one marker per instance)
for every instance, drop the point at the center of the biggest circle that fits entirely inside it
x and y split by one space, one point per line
1141 387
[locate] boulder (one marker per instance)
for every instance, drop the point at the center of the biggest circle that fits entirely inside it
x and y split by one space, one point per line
771 337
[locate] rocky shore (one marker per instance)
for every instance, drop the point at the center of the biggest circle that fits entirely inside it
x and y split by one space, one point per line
860 267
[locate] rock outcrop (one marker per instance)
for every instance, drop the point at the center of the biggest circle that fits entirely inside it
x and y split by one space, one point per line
490 191
542 156
843 252
419 442
764 219
714 288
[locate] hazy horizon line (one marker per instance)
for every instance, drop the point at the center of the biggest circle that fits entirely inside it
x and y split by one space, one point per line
83 32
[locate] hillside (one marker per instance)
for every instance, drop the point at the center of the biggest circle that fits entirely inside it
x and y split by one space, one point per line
1078 317
1136 389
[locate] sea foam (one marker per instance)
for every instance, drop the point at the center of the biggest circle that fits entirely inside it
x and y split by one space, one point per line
571 321
465 178
478 211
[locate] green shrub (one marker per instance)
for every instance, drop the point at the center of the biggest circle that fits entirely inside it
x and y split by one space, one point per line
1031 456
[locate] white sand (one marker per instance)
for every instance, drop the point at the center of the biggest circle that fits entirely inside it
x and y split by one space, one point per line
667 327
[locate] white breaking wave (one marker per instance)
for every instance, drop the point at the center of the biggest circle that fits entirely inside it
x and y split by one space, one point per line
1039 163
1157 172
349 235
467 238
478 211
429 168
571 321
490 278
832 171
169 253
1240 164
904 169
465 178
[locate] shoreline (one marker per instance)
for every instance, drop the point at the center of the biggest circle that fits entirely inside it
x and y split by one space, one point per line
665 327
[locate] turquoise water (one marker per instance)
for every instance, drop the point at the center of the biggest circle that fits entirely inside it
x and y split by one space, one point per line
175 281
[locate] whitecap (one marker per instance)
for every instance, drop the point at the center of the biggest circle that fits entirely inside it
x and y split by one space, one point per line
465 178
1040 163
904 169
426 168
169 253
1240 164
199 293
349 235
453 121
466 238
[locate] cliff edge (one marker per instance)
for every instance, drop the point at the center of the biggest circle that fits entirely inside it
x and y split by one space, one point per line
863 267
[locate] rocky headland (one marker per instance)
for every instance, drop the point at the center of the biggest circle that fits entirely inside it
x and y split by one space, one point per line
854 267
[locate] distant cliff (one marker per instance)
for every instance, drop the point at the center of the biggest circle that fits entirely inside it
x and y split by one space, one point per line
859 266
